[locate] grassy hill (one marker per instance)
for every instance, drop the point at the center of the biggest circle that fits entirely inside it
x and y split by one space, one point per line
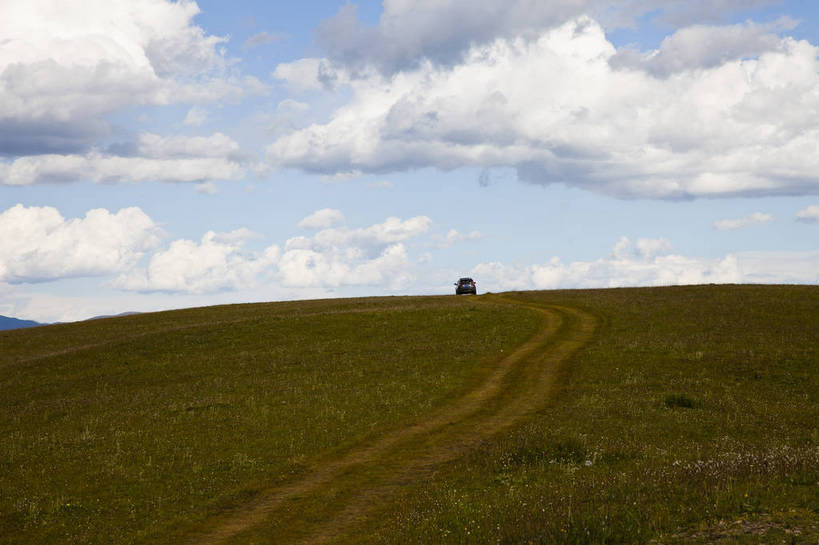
113 430
689 415
693 417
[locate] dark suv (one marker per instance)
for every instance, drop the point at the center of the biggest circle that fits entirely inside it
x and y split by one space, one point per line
465 285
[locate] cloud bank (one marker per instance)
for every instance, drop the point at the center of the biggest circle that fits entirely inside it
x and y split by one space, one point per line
408 33
150 158
737 116
38 244
63 71
650 262
331 258
216 263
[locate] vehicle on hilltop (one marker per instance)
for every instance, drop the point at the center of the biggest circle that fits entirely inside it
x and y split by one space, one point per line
464 286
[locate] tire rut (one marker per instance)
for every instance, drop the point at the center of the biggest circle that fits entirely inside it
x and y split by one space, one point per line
520 385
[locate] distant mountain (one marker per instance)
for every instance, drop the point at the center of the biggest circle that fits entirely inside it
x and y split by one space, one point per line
14 323
113 315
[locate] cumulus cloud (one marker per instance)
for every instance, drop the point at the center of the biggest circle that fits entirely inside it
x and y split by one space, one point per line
376 236
207 188
195 117
333 257
303 267
809 214
738 223
409 33
705 46
62 70
373 255
216 145
216 263
310 74
150 158
323 218
648 262
554 109
453 237
37 244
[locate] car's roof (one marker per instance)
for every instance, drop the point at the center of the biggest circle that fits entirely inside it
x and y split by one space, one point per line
464 279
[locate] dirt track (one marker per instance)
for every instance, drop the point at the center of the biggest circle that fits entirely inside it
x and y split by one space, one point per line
351 486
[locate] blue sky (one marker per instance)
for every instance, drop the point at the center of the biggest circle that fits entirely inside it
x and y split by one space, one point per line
158 155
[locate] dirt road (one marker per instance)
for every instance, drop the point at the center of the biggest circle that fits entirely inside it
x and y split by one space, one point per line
327 503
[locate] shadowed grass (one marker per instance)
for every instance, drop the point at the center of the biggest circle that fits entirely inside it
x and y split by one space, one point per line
112 430
691 418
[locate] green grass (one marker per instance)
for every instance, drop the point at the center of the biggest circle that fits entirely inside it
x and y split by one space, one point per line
691 418
119 430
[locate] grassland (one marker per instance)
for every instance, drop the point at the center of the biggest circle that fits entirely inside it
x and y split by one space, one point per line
693 417
122 430
690 415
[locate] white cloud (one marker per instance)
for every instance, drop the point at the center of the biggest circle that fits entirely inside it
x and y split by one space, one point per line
195 117
333 257
706 46
98 167
323 218
392 230
310 74
410 32
302 267
554 109
649 262
646 263
809 214
754 219
254 86
237 236
62 70
151 158
207 188
217 263
218 145
453 237
340 176
38 244
373 255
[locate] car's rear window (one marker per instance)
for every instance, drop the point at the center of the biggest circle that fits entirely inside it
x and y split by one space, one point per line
465 280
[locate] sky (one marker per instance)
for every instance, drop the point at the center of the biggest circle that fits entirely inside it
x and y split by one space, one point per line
158 155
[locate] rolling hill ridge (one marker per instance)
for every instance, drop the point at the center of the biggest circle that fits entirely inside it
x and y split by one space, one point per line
584 416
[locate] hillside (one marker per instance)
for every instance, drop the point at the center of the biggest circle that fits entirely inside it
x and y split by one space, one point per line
118 429
590 416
